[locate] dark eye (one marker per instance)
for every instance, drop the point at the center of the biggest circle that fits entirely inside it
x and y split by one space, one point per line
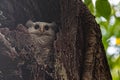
36 26
46 27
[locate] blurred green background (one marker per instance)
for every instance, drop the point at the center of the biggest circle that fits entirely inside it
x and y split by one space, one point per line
107 13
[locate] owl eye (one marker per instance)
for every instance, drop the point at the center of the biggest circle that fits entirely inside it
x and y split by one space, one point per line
36 26
46 27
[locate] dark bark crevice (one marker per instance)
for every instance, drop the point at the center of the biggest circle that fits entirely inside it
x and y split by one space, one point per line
19 12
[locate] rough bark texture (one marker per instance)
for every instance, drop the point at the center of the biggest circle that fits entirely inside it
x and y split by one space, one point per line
13 12
79 50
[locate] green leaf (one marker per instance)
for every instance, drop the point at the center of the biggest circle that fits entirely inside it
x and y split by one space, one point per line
117 28
103 8
91 8
87 2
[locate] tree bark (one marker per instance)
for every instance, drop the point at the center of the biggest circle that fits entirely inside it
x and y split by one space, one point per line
79 49
13 12
79 52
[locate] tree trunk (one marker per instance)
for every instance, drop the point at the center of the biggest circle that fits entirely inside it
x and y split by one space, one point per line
79 49
79 52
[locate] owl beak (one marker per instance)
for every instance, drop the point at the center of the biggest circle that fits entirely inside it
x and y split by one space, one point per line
41 30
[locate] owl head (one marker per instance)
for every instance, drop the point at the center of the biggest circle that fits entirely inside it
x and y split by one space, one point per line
41 28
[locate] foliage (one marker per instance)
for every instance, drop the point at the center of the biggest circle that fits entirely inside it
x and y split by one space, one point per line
108 17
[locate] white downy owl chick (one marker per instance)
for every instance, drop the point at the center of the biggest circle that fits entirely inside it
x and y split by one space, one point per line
43 36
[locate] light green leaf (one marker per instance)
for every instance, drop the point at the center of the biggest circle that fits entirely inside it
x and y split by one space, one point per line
87 2
91 8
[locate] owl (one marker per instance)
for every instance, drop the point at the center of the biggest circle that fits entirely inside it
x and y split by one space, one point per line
42 37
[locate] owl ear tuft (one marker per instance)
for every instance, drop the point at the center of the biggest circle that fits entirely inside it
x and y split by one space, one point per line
29 23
